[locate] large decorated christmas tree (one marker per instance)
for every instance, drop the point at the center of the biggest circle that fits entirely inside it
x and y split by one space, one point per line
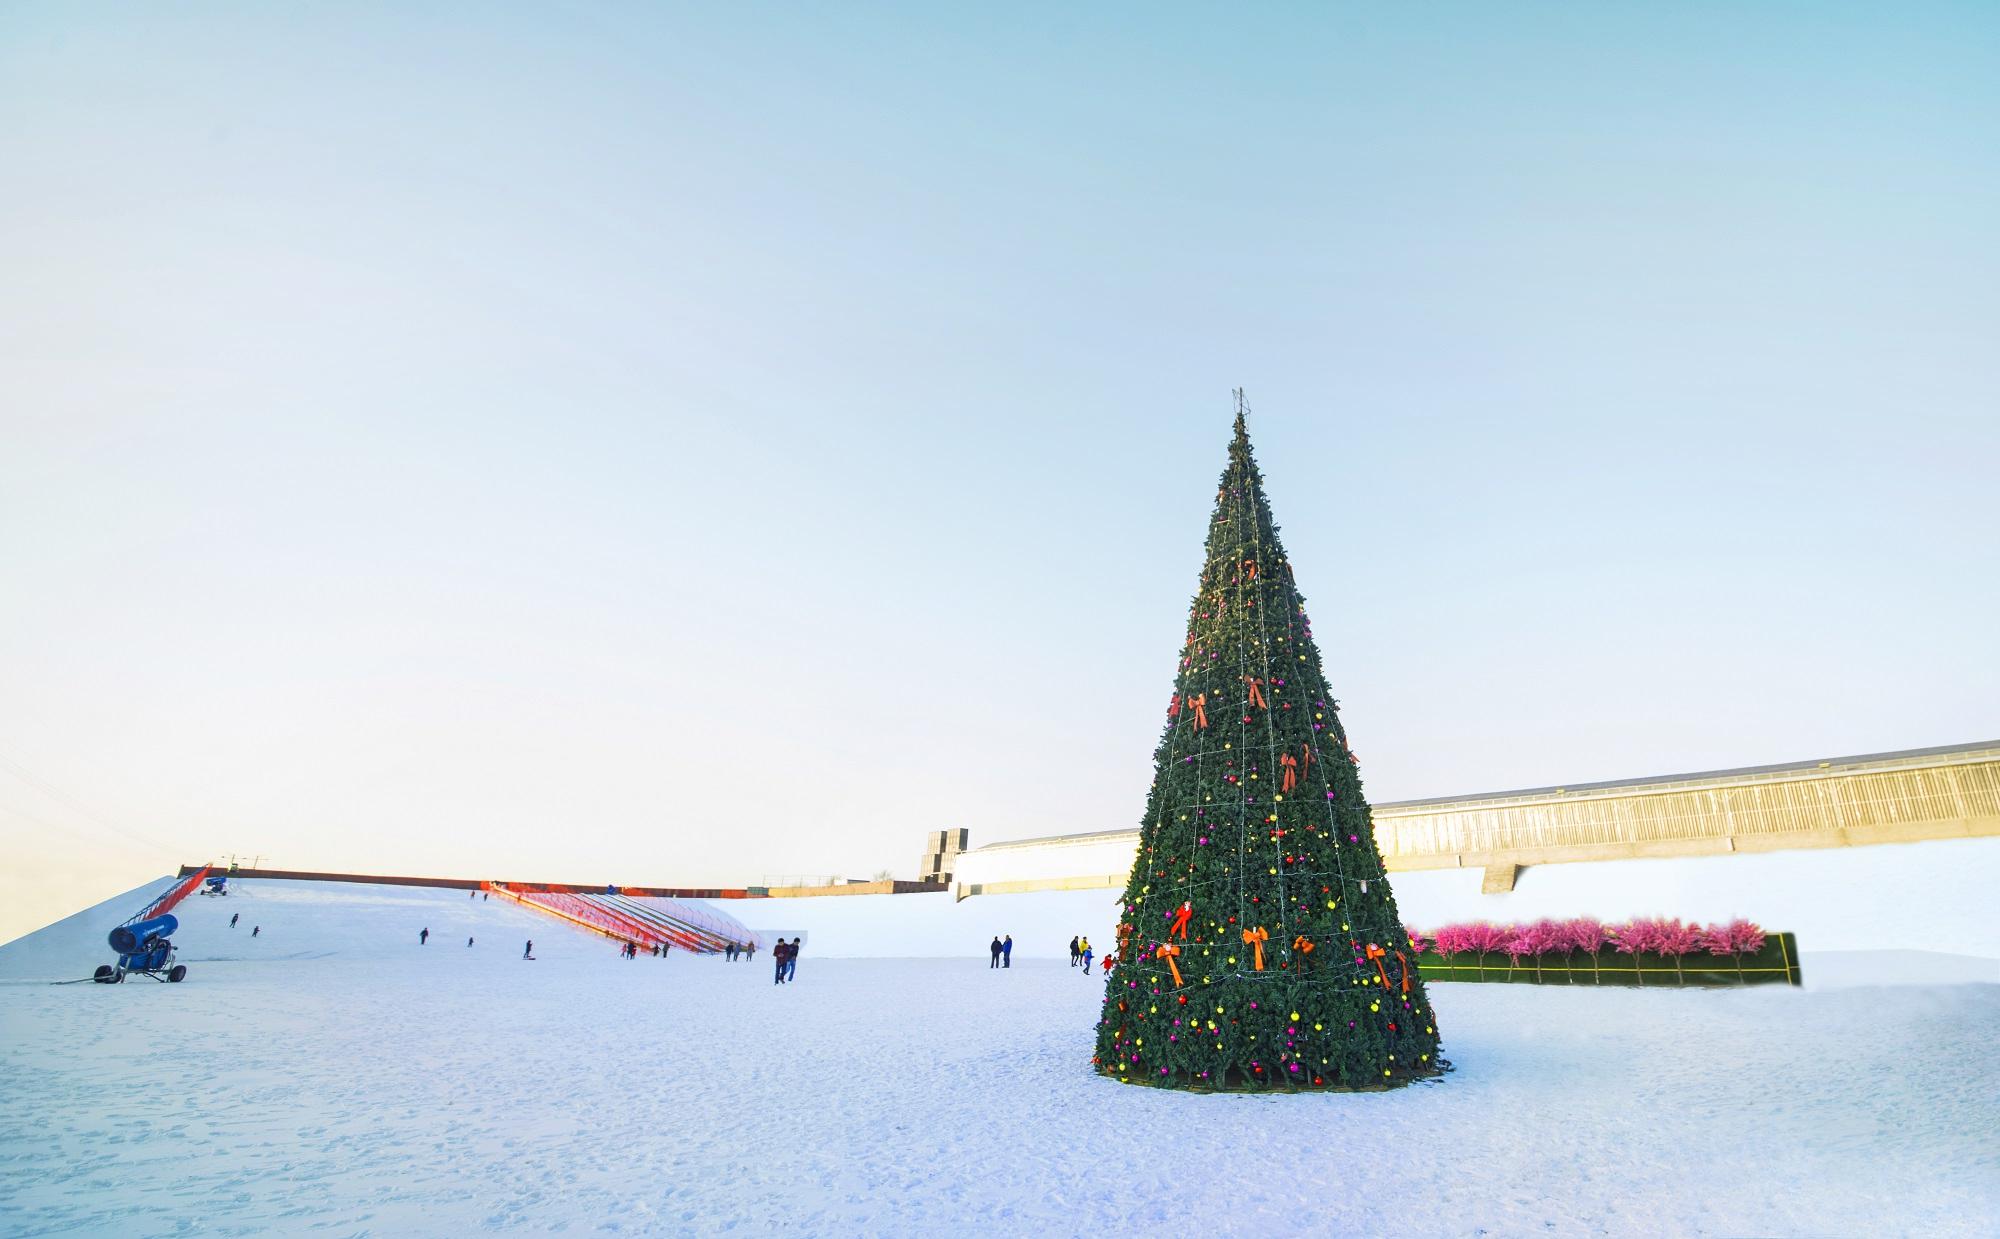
1258 942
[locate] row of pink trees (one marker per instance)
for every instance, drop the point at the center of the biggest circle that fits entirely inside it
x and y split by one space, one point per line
1668 936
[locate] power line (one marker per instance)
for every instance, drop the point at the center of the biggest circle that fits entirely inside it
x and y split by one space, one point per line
55 793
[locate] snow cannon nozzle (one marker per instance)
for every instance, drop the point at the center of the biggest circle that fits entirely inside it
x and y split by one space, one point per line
131 939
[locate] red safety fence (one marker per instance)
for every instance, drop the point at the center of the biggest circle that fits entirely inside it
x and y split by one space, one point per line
166 902
623 918
681 935
707 939
579 911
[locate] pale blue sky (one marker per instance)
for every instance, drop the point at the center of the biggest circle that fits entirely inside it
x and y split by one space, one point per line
710 442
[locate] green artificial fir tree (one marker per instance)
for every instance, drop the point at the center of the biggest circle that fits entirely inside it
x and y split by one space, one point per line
1258 942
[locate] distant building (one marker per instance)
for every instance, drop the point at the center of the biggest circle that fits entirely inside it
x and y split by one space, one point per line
941 852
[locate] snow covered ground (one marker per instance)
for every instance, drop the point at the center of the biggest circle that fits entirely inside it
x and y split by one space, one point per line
334 1076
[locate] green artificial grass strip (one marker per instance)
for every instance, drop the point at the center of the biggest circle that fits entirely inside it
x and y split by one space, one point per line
1776 964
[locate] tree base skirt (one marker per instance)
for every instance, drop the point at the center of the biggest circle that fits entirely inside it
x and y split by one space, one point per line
1236 1082
1776 964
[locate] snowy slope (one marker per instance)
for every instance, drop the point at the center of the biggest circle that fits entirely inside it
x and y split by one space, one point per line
335 1075
300 921
1810 893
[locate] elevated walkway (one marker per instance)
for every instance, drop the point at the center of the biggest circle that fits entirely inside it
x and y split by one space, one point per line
1951 792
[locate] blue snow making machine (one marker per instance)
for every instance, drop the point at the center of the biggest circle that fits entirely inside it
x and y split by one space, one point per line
144 947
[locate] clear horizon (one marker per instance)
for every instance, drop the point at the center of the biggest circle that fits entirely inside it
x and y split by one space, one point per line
681 447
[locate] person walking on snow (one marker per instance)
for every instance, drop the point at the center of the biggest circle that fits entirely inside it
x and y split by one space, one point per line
778 960
1074 951
528 951
1085 948
994 950
255 930
232 919
750 952
1007 952
792 960
468 942
424 938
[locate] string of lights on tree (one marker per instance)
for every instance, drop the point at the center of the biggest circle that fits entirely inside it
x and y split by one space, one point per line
1259 944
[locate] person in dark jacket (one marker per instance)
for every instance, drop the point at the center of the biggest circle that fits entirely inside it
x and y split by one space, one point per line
468 942
424 938
792 960
232 919
778 955
528 951
255 930
994 951
1075 952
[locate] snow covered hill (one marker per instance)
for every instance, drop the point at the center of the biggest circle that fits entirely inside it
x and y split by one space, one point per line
332 1074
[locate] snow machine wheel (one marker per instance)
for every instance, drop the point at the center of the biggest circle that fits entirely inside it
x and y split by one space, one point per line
177 973
117 975
103 974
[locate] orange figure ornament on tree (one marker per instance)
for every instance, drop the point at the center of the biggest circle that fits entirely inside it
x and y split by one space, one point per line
1377 954
1257 938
